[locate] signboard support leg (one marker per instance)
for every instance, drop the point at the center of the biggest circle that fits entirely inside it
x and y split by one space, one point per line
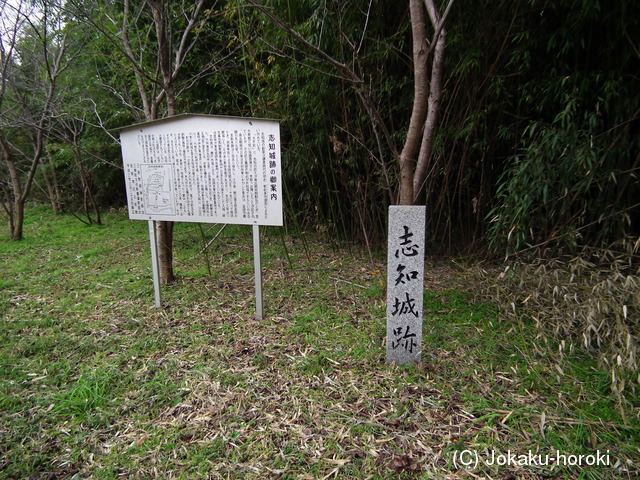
257 266
155 265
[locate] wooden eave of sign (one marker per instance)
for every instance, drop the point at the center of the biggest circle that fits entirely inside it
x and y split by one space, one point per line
183 116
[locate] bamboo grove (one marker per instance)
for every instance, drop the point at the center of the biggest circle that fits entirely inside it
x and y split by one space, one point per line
536 140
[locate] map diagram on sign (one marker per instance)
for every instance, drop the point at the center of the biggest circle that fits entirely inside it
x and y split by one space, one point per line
157 183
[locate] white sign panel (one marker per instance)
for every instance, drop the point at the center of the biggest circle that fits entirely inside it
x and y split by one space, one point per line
200 168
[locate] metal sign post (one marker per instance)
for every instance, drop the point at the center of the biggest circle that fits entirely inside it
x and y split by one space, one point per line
155 264
257 267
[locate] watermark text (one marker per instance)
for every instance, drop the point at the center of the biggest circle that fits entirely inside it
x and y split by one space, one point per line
472 459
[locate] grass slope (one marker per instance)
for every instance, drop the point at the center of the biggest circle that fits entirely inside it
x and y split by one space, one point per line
95 383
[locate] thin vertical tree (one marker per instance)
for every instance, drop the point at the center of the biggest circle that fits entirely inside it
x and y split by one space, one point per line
154 39
33 54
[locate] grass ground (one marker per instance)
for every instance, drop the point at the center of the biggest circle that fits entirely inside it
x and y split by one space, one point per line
96 383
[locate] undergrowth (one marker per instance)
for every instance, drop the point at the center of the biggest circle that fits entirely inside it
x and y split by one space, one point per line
95 383
589 301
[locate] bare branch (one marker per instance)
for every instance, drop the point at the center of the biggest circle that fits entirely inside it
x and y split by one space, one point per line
183 48
124 37
437 20
348 72
364 30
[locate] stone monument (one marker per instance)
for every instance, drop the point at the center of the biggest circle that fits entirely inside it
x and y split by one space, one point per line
405 283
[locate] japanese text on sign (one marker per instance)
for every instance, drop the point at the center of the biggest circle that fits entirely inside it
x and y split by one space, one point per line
204 169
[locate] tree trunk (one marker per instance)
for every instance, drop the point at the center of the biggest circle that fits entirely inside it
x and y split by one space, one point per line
88 200
164 229
433 103
16 231
51 180
415 156
409 155
16 204
165 251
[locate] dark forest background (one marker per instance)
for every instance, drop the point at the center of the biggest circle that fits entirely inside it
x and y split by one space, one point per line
538 139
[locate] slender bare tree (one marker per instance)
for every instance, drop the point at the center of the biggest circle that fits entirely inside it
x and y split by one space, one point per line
28 86
155 53
415 155
428 56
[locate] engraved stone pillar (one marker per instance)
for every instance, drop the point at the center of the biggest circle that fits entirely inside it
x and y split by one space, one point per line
405 283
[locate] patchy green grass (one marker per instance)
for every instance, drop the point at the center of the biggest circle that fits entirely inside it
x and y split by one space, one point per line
96 383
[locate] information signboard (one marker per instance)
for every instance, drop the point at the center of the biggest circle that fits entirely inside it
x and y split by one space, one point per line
204 168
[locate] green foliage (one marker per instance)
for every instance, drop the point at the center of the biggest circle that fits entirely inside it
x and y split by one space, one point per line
88 395
571 109
538 92
538 127
572 181
563 188
337 172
